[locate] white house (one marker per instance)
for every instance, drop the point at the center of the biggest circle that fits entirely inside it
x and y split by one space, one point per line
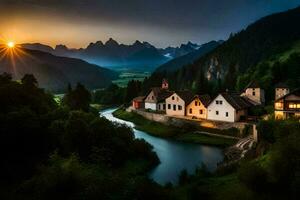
228 107
177 102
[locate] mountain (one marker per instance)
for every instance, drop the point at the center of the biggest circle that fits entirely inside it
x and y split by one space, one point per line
53 72
189 58
111 54
235 62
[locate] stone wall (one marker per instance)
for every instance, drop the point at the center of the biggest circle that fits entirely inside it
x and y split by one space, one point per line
182 121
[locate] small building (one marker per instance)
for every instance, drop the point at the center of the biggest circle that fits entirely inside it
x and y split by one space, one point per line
155 100
254 93
288 105
228 107
281 89
138 102
198 106
177 102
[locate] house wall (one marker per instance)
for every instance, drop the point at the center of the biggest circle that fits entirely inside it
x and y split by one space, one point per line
239 114
255 94
196 109
161 106
176 102
151 106
150 101
279 92
213 108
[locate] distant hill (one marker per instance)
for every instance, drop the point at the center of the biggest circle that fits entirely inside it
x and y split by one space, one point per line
189 58
226 66
111 54
53 72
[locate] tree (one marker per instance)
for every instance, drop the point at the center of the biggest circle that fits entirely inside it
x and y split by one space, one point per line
29 81
78 99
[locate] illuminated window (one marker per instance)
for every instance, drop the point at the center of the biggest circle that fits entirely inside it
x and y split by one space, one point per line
294 105
279 105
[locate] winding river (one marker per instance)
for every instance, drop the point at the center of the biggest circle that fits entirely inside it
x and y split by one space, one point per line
174 156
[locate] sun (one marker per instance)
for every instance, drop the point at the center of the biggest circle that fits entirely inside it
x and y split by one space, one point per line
11 44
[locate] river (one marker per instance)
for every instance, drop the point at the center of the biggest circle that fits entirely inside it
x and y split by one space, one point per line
174 156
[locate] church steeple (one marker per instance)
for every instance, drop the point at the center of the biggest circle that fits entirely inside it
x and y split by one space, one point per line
165 84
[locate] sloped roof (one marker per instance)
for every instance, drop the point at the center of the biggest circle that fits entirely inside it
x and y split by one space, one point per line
253 84
186 96
281 85
140 98
236 101
163 94
160 93
294 92
205 99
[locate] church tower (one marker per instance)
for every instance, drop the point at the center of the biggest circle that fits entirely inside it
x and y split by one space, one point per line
281 90
165 84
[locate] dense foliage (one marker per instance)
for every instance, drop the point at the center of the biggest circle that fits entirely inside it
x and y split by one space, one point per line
52 152
114 95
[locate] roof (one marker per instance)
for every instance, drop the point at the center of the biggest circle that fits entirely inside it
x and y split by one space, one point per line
236 101
281 85
294 92
160 93
205 99
186 96
253 84
140 98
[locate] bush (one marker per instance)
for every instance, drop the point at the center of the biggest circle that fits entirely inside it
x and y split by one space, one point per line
253 176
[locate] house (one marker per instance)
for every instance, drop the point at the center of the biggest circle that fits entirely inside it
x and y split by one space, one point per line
229 107
281 89
177 102
287 105
254 93
138 102
155 99
198 106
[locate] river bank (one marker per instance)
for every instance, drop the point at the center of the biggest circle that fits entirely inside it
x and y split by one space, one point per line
185 134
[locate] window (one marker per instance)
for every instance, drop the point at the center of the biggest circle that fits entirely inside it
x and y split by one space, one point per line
294 105
158 106
253 93
191 111
226 114
177 99
173 97
196 103
217 102
169 106
179 107
174 107
201 112
164 107
220 102
152 97
217 112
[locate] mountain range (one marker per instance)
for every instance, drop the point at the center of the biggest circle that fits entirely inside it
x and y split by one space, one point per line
53 72
111 54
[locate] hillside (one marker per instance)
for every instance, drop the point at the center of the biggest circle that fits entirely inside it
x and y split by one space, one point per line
189 58
53 72
241 53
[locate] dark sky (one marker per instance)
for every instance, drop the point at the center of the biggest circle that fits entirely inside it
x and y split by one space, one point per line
161 22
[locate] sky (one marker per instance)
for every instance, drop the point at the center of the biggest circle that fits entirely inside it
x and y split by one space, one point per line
163 23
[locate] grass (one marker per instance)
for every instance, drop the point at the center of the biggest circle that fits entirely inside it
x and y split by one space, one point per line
171 132
127 76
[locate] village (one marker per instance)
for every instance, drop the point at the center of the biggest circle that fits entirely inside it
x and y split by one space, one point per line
228 106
